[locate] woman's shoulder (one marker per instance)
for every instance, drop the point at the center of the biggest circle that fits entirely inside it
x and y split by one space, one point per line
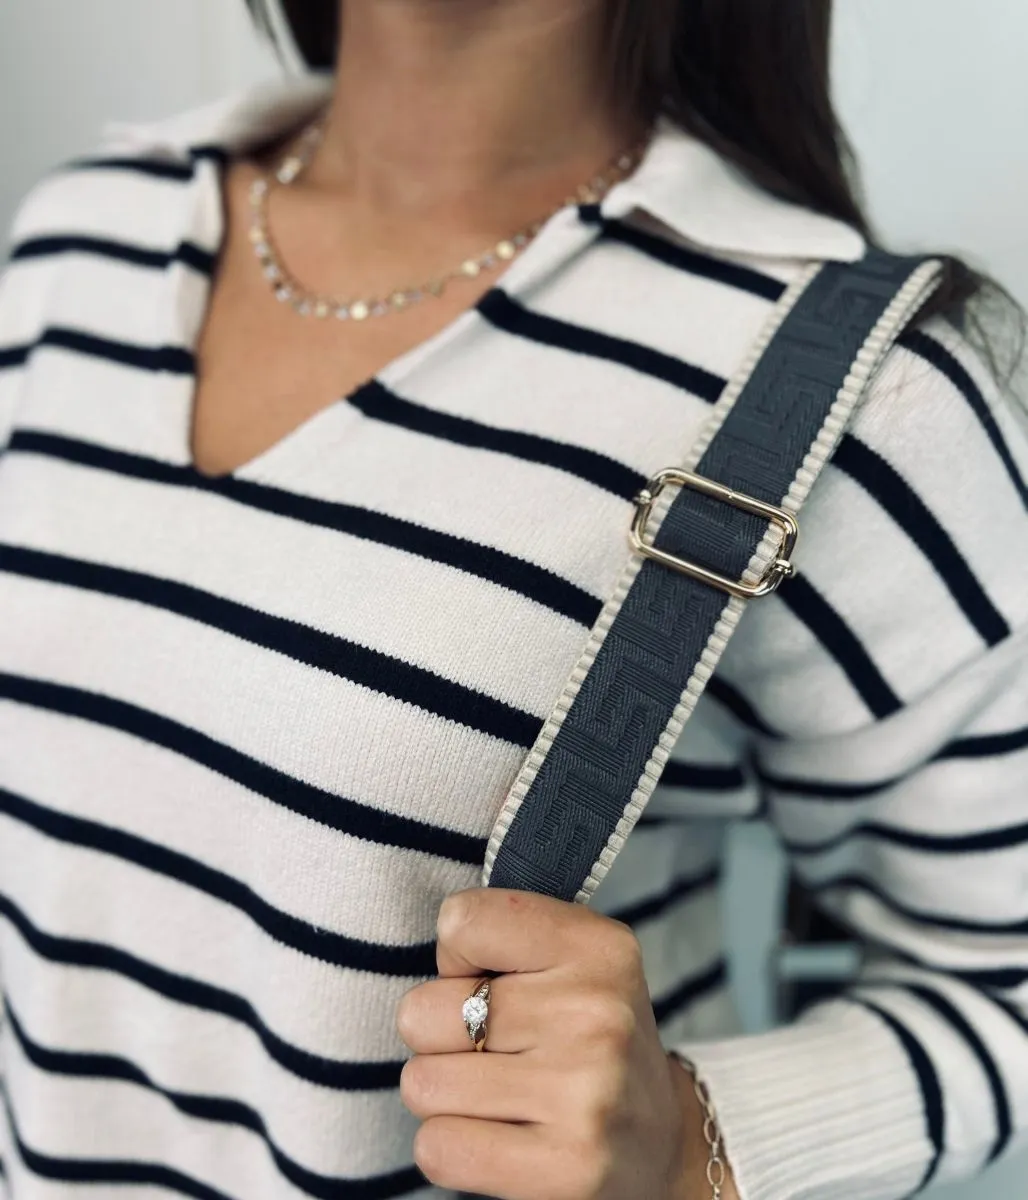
940 447
90 242
912 571
121 187
112 201
941 411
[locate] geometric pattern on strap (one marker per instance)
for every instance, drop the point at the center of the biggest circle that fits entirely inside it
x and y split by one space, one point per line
586 781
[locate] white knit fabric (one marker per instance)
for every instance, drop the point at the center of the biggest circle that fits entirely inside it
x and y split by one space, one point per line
254 729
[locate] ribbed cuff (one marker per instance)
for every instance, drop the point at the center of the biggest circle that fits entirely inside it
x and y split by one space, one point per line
826 1109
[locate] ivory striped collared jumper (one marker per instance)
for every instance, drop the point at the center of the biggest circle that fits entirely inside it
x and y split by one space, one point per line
254 728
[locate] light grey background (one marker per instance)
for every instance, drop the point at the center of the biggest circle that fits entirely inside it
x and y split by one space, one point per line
934 93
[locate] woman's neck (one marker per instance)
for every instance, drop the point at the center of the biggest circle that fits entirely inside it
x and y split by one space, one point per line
439 103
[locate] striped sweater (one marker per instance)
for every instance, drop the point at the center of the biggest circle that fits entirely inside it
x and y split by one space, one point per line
254 728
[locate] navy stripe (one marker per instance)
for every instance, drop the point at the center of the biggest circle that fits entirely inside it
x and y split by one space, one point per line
334 812
983 981
505 570
187 253
896 497
858 883
691 991
99 1170
500 310
694 777
987 745
742 279
1004 979
375 401
826 789
657 821
740 708
326 652
955 1018
927 348
993 745
807 604
324 945
215 1109
154 168
957 843
74 952
986 980
172 360
656 906
663 820
1014 1013
14 356
702 777
931 1091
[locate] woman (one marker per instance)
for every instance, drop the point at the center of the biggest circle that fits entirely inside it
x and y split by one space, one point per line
269 660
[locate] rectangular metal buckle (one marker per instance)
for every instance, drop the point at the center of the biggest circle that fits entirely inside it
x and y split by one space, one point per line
776 571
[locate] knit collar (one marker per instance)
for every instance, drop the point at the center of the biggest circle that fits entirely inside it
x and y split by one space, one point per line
692 190
681 182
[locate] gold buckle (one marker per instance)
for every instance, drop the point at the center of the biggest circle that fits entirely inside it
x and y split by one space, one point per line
784 521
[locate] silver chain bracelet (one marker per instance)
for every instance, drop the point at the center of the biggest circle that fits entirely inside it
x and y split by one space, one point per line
717 1170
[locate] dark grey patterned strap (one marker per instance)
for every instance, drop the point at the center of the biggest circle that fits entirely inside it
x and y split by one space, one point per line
586 781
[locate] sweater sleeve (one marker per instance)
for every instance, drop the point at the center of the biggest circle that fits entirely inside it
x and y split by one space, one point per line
892 689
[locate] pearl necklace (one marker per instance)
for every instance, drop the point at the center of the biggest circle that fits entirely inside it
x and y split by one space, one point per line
306 303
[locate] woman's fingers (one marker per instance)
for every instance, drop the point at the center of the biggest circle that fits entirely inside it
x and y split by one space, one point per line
488 1087
430 1022
492 929
464 1155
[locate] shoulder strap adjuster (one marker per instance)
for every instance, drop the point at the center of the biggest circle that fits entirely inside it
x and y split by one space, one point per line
781 568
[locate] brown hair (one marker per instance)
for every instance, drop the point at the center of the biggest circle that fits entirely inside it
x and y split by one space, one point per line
748 77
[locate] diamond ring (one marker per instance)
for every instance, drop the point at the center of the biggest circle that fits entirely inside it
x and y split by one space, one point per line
476 1013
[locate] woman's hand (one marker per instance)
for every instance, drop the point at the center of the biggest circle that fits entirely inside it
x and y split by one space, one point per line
575 1098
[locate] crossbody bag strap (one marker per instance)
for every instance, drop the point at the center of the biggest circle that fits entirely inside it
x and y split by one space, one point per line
709 536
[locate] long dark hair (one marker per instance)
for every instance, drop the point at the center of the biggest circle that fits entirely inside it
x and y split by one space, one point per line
748 77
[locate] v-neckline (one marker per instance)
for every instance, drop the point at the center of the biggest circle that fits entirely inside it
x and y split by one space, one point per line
206 223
